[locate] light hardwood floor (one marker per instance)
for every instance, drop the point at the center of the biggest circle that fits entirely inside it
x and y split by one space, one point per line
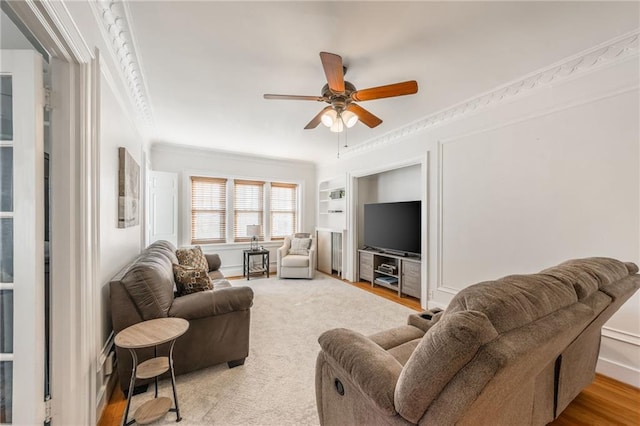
605 402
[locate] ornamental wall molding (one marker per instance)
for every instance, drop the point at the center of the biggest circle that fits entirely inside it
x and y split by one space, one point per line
118 35
605 54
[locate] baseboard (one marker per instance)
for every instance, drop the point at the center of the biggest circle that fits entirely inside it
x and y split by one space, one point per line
108 381
620 372
104 395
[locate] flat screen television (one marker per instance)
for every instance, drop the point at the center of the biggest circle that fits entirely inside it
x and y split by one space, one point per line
393 227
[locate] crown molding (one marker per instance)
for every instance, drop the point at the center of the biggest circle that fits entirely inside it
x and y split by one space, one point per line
605 54
118 36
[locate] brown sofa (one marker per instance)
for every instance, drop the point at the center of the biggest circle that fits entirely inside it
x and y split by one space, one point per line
218 319
513 351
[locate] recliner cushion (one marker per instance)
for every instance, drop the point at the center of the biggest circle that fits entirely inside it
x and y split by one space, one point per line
515 300
444 350
295 261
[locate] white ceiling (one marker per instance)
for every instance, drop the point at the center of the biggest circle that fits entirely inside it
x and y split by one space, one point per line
206 65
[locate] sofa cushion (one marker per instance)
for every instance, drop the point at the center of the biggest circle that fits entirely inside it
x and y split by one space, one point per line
192 257
149 282
295 261
447 347
300 246
515 300
191 280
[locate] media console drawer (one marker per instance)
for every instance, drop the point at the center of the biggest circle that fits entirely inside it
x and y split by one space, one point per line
366 266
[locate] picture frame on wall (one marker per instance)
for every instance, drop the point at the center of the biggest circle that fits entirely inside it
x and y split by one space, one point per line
128 190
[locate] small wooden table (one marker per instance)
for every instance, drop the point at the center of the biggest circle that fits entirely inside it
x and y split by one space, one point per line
247 270
144 335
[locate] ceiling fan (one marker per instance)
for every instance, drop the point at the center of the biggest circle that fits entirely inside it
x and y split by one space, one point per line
341 95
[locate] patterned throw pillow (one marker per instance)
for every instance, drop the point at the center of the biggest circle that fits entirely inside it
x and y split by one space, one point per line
192 257
191 280
300 246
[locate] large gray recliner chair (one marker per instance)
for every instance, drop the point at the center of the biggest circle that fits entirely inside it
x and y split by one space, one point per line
515 351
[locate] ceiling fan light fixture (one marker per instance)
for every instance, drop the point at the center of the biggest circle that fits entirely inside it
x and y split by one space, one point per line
329 117
349 118
337 126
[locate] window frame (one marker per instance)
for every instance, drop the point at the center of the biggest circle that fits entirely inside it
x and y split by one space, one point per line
296 209
223 213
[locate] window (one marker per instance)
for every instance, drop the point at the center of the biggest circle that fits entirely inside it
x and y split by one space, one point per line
248 208
284 208
208 210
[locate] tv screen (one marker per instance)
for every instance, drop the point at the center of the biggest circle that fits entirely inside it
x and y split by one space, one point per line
393 226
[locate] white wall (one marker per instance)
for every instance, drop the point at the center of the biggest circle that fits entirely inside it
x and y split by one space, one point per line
193 161
118 246
527 183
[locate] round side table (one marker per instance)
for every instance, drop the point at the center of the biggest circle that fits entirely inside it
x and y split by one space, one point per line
144 335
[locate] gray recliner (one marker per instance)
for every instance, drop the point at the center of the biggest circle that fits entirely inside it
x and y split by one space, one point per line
512 351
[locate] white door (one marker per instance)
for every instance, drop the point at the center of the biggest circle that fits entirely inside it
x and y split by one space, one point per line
22 239
163 208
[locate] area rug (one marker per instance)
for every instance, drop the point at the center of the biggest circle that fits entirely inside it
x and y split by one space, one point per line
276 385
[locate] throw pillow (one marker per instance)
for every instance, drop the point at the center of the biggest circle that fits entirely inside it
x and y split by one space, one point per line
300 246
192 257
191 280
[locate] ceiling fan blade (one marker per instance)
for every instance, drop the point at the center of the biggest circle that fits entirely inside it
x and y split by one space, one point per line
334 71
316 120
363 115
388 91
294 97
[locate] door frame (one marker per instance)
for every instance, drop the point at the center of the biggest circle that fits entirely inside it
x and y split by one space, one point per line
75 208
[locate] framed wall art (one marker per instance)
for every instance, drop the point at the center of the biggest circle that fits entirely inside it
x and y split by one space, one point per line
128 190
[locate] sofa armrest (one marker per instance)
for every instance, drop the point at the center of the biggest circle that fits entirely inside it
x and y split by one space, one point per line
213 260
372 369
210 303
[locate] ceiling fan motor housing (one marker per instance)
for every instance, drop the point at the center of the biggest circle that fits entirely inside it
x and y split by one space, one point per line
339 101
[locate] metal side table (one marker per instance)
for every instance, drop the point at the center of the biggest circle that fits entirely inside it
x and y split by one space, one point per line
144 335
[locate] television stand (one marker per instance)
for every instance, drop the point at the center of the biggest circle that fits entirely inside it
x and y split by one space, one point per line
398 272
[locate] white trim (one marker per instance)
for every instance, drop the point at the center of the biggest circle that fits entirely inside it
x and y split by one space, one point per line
112 20
621 336
64 25
619 49
624 373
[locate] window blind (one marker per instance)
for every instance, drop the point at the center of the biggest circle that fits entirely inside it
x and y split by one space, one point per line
284 210
208 210
248 202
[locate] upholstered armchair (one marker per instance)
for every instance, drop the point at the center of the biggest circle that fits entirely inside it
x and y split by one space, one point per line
297 257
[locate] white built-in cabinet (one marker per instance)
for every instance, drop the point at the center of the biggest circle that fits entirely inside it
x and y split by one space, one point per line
331 230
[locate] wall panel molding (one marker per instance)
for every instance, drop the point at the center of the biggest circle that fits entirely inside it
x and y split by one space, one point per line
441 144
614 51
620 335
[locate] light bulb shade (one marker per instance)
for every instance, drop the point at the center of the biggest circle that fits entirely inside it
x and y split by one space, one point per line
337 126
349 118
329 117
253 230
